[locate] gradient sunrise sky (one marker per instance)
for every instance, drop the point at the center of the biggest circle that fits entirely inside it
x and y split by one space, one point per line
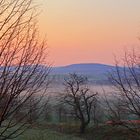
89 31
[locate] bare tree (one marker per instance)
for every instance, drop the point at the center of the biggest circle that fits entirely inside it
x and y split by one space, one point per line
126 100
79 98
22 74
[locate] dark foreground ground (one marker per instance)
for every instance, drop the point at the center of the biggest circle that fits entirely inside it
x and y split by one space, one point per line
70 132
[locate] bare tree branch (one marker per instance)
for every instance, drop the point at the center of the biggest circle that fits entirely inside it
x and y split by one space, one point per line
23 75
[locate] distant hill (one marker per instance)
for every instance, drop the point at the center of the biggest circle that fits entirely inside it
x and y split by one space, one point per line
97 73
85 68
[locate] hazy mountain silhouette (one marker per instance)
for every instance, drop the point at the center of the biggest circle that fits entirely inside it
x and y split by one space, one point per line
97 73
84 68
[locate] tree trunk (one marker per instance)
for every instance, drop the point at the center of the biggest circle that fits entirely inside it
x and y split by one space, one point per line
82 128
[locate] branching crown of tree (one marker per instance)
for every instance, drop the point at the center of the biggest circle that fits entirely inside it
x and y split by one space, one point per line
80 98
22 75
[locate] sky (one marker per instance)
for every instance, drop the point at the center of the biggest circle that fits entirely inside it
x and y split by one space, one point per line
89 31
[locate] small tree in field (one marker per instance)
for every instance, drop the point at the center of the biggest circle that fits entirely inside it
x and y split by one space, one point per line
22 75
79 98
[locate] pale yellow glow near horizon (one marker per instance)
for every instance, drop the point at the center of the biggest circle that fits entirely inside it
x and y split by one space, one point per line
89 31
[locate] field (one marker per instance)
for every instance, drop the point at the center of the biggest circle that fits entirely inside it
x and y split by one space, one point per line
45 134
55 130
102 133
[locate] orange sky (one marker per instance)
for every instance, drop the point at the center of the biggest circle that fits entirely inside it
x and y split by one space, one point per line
80 31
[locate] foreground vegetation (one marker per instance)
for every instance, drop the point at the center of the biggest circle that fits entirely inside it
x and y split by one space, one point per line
55 133
41 134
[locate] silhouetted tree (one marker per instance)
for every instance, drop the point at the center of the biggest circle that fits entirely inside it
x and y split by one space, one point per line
79 98
126 82
22 74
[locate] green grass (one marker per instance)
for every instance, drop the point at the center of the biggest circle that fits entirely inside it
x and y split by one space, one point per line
40 134
109 133
54 133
